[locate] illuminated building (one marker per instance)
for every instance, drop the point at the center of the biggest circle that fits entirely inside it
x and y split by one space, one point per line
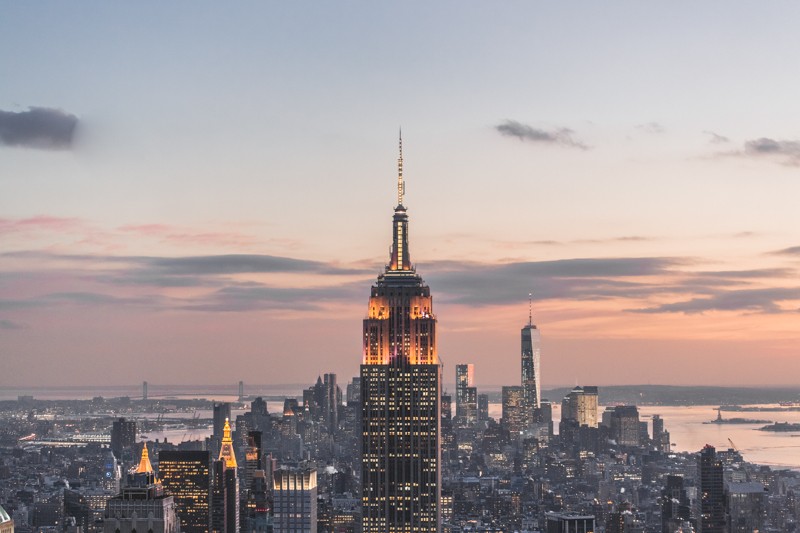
466 395
580 405
295 500
142 505
531 373
401 396
225 491
710 492
186 475
514 410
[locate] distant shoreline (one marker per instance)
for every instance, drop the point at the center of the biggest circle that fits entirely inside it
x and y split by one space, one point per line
667 395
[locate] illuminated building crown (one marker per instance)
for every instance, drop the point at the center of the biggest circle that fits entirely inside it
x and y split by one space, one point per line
226 451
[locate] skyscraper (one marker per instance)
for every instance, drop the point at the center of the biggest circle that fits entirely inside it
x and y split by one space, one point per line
225 493
710 492
581 405
123 435
400 393
186 475
514 409
466 395
531 374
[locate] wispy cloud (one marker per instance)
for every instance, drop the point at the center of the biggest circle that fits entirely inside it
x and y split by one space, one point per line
38 223
715 138
651 127
38 127
251 296
524 132
8 324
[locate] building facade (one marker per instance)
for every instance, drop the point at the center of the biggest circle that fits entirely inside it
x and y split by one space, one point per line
581 405
710 492
225 516
401 396
142 506
123 436
186 475
514 409
531 373
466 395
295 495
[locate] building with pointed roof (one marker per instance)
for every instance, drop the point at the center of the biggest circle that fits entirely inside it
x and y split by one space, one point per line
226 451
531 365
400 394
142 505
145 467
225 517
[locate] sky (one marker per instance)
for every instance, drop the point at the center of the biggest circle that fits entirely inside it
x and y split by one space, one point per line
198 193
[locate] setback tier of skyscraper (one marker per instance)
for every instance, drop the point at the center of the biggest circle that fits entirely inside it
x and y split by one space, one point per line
400 393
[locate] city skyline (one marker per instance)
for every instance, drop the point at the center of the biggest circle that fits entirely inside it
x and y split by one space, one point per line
224 189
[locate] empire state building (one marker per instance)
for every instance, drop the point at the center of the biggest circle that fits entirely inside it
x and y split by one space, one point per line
400 391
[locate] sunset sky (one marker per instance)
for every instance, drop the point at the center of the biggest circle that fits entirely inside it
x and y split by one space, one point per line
199 193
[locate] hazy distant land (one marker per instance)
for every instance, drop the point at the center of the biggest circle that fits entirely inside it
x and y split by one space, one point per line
682 395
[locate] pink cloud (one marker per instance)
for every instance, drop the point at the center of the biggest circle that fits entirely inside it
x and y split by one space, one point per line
40 222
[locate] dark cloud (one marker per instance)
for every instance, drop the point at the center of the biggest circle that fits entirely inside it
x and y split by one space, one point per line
456 282
754 300
787 151
581 279
651 127
259 297
8 324
715 138
524 132
38 127
239 264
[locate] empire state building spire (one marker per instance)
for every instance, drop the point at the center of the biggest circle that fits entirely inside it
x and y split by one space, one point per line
401 387
400 259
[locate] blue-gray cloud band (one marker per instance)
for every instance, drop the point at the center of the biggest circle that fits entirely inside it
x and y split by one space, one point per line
457 283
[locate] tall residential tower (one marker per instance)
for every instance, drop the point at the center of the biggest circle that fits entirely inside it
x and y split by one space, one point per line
400 394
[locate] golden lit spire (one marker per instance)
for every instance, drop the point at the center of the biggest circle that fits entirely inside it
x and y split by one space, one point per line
226 451
144 464
400 261
401 187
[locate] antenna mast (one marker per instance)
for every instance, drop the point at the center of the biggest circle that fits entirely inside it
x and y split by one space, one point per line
530 308
401 187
